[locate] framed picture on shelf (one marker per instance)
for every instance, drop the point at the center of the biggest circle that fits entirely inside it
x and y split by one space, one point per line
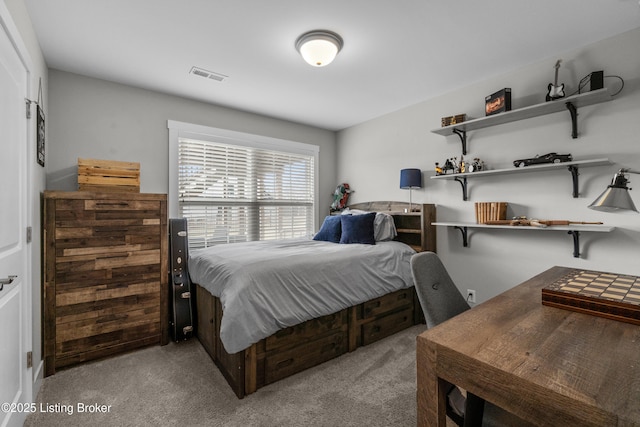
498 102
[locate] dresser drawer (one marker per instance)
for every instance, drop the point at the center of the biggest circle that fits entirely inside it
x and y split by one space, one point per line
82 294
68 279
69 210
107 322
106 344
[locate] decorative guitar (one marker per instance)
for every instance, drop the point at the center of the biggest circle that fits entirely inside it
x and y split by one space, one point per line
555 91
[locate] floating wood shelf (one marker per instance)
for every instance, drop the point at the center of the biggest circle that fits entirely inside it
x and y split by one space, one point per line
573 230
572 166
571 103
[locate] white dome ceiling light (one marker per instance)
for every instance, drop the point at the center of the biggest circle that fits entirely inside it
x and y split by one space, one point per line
319 47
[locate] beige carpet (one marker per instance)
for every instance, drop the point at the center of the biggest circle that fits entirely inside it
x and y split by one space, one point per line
178 384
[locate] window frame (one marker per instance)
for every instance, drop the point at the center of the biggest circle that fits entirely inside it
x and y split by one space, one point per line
178 130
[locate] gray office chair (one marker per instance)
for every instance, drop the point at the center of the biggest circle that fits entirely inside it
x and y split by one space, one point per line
441 300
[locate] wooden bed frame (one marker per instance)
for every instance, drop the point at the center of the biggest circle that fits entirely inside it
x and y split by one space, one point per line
315 341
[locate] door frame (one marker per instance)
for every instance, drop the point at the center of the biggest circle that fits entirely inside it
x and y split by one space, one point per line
31 383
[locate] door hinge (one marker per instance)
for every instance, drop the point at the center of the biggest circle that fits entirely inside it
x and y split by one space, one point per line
29 359
28 105
29 234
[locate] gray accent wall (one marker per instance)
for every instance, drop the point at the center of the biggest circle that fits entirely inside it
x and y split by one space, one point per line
93 118
371 155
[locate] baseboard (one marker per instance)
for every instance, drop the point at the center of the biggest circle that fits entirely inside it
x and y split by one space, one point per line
38 376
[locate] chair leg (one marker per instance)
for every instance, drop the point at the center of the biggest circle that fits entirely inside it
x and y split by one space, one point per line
474 410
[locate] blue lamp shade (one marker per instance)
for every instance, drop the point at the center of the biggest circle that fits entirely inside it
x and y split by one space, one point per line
410 178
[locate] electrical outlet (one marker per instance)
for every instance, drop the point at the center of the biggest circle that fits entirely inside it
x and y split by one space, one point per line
471 296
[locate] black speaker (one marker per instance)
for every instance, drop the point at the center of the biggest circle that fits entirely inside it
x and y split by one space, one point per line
597 80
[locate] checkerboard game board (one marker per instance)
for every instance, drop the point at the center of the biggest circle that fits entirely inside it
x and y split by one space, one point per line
610 295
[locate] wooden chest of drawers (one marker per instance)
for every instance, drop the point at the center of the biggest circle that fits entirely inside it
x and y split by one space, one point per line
105 274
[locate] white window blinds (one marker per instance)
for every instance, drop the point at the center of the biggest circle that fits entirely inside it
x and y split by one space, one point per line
233 193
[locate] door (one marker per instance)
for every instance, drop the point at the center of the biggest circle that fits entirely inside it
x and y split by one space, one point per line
14 374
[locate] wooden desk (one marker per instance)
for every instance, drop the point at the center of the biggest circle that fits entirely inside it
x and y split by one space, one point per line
550 366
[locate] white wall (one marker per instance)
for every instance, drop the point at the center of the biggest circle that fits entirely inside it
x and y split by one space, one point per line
371 155
92 118
30 49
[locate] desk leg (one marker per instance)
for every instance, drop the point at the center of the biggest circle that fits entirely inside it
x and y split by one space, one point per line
474 410
431 395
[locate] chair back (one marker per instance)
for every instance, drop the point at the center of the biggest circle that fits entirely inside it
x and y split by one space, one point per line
439 298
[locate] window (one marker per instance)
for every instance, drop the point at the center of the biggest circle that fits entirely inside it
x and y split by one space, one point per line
243 188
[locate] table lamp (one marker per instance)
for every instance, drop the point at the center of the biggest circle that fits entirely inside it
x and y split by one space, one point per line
410 179
616 197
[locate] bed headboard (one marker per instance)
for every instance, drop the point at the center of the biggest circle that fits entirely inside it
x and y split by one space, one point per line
414 227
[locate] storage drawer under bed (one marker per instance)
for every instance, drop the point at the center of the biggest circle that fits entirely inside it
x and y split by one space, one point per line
281 364
312 329
303 346
386 325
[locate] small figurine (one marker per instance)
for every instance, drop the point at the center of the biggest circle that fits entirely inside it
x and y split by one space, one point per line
340 197
476 165
449 165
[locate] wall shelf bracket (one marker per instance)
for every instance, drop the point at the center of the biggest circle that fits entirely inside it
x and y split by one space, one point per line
574 175
573 230
574 119
463 183
576 242
462 134
465 235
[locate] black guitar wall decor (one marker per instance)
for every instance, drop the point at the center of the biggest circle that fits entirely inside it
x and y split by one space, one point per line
555 91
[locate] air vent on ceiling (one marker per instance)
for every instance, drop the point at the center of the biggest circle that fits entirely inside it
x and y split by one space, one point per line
207 74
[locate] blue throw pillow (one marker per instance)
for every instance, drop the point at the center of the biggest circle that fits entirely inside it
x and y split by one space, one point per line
330 230
358 228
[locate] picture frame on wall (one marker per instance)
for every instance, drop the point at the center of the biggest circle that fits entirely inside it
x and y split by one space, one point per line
40 134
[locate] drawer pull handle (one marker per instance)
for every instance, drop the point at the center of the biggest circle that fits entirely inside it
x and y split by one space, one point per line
186 295
285 332
328 347
187 329
284 363
112 204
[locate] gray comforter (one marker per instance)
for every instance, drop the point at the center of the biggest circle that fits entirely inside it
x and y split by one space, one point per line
266 286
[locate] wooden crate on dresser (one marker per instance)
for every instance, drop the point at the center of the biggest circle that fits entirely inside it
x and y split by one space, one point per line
105 274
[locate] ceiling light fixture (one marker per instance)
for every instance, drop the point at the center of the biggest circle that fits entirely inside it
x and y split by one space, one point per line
319 47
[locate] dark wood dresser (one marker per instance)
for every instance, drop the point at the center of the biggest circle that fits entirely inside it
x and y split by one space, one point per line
105 275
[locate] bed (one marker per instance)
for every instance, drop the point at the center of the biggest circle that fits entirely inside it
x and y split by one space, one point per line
317 315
